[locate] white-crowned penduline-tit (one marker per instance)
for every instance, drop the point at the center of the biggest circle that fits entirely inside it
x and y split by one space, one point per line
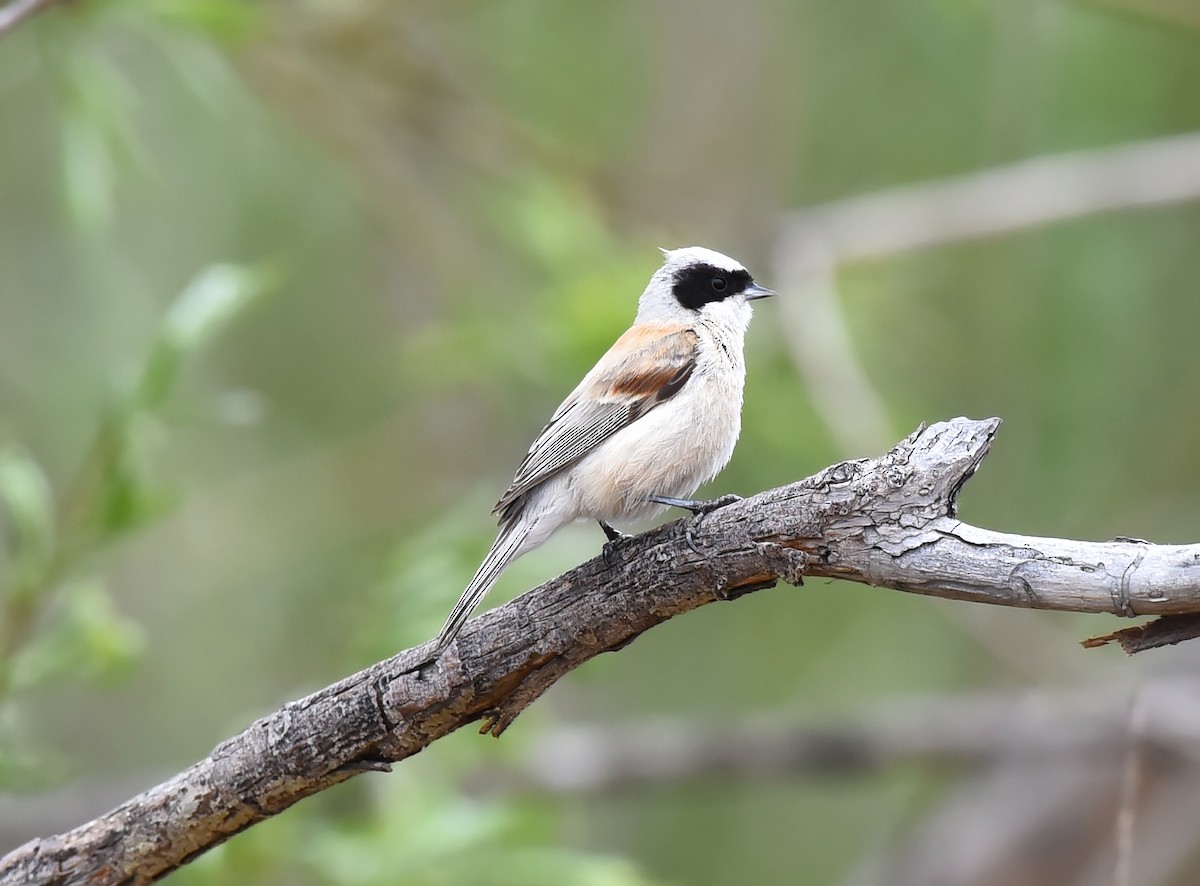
657 416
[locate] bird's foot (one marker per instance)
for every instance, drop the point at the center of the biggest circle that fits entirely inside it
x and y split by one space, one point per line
699 508
612 533
616 541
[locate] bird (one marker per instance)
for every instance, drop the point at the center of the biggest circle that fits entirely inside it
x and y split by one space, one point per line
656 417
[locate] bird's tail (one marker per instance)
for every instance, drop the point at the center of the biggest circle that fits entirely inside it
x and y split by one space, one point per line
508 546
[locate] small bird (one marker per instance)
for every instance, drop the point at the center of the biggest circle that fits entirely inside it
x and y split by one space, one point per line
656 417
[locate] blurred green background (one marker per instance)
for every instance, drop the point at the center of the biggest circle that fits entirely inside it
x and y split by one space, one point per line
286 289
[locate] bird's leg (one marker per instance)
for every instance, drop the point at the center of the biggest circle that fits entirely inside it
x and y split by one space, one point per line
615 539
696 506
699 508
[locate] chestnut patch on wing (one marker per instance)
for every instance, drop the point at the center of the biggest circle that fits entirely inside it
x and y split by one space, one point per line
660 384
659 376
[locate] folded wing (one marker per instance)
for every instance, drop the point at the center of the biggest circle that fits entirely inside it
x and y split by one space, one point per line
645 367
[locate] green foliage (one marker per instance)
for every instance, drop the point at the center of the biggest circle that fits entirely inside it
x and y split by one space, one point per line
86 641
97 135
226 20
407 830
28 501
216 296
60 623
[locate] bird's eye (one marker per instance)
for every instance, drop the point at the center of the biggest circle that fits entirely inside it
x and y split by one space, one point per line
718 284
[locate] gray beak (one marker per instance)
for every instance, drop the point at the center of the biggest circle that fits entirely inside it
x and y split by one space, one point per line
754 291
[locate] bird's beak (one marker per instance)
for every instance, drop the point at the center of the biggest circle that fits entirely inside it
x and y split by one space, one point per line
754 291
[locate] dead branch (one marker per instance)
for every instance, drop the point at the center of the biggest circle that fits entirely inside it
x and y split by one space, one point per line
887 521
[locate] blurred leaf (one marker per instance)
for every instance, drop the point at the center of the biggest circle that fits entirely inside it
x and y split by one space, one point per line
97 131
88 641
114 494
26 496
213 298
130 499
87 170
228 20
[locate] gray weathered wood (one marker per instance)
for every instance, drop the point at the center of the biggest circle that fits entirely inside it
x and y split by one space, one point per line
889 521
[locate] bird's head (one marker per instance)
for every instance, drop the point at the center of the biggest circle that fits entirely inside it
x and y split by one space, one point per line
695 282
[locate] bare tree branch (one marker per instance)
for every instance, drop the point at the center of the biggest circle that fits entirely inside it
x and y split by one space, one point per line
945 730
1039 191
887 521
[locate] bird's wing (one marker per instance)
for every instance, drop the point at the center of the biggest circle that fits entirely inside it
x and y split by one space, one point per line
646 366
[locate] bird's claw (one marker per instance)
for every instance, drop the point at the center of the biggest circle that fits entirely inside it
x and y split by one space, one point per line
616 541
